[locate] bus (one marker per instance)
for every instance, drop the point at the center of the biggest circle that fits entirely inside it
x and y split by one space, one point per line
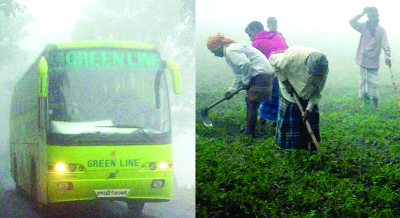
90 120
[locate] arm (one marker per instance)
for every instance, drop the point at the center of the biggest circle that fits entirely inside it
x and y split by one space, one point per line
353 22
237 82
241 66
386 48
316 95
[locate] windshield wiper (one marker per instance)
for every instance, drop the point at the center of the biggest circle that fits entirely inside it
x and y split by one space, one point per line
142 132
123 126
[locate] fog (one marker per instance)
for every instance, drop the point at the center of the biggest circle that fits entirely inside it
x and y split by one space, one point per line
323 25
320 24
48 21
53 21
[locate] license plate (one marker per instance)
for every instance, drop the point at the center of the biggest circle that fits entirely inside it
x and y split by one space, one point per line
111 193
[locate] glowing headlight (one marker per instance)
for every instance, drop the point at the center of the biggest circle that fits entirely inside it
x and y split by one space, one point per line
60 167
162 165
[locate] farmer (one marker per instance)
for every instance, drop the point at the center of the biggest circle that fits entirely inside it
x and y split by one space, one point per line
302 70
373 39
272 24
268 42
252 72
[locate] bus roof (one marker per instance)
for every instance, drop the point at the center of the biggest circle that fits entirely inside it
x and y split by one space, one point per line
100 43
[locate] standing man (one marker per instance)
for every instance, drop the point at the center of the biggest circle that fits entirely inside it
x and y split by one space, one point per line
252 72
373 39
302 70
268 42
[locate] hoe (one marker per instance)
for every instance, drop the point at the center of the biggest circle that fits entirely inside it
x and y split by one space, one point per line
204 111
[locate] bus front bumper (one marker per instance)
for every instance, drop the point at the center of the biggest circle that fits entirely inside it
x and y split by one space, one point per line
146 189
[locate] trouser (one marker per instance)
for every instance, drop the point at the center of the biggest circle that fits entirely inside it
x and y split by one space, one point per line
269 109
260 90
251 116
369 80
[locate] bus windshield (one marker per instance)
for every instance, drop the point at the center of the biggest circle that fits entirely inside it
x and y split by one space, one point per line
118 94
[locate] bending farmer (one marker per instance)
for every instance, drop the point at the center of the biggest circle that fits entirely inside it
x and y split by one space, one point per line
302 70
252 72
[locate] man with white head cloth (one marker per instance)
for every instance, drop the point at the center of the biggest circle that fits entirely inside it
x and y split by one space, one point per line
252 72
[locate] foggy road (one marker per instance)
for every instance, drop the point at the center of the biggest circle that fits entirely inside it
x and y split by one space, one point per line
15 205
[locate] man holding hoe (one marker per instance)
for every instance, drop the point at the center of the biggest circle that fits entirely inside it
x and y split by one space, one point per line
302 73
252 73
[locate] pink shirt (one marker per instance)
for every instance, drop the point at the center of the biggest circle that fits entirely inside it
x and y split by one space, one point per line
269 42
370 47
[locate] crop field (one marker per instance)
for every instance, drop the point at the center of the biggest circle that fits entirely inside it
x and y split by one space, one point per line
357 173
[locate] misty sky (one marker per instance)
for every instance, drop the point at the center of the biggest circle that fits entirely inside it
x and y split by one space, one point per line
53 21
320 24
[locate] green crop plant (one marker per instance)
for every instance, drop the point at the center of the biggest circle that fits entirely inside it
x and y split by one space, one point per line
357 173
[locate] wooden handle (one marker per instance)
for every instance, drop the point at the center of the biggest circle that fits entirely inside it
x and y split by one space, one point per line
395 88
307 123
223 99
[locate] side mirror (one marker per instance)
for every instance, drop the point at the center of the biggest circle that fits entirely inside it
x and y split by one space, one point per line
176 75
43 70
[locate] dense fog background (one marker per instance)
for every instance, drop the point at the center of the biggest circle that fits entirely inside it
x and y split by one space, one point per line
320 24
170 27
323 25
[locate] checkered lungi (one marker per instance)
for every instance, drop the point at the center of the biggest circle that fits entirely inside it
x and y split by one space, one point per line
269 109
291 131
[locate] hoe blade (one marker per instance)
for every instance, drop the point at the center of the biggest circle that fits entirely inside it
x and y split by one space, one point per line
204 116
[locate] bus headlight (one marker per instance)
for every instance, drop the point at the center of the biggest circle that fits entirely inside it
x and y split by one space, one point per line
80 168
152 166
60 167
157 183
50 167
65 186
72 167
162 165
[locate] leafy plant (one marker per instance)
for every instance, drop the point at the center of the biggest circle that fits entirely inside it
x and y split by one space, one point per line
357 174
